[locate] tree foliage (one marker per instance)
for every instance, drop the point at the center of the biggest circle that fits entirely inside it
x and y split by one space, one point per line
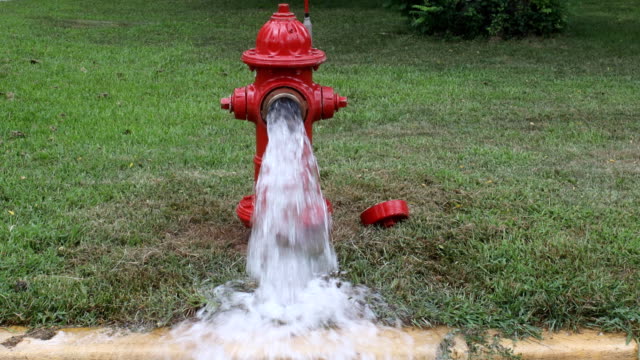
472 18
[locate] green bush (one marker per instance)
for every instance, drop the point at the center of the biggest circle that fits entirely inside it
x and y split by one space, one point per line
472 18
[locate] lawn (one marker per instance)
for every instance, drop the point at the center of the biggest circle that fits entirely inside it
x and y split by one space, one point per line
520 161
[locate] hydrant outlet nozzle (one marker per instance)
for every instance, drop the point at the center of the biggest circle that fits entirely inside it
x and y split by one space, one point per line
331 102
225 103
342 102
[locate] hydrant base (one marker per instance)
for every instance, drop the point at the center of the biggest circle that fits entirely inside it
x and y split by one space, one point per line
245 208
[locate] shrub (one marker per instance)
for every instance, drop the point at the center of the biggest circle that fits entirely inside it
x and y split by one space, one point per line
471 18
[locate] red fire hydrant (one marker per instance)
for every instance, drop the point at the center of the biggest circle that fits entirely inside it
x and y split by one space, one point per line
284 62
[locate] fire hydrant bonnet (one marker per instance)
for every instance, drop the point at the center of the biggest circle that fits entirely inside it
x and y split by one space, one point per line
283 42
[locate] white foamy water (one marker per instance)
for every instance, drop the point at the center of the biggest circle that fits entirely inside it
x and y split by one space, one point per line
293 302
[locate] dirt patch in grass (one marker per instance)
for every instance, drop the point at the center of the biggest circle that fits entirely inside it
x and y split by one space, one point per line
425 196
194 241
156 282
625 159
86 23
410 252
40 334
203 235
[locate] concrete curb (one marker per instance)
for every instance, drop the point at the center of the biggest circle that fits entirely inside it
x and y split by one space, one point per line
433 344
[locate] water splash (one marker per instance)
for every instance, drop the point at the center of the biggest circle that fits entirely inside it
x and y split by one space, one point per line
292 297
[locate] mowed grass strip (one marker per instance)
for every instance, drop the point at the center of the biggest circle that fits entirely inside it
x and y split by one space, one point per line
520 161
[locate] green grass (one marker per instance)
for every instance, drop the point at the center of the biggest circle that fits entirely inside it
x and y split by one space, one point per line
520 160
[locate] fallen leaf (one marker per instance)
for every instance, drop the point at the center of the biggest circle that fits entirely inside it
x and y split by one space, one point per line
83 69
11 212
10 96
34 61
18 134
103 95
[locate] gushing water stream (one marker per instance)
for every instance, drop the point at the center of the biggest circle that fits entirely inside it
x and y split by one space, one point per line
292 261
289 243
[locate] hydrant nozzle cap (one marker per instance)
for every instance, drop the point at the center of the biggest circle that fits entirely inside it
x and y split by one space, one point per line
225 103
386 213
342 102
